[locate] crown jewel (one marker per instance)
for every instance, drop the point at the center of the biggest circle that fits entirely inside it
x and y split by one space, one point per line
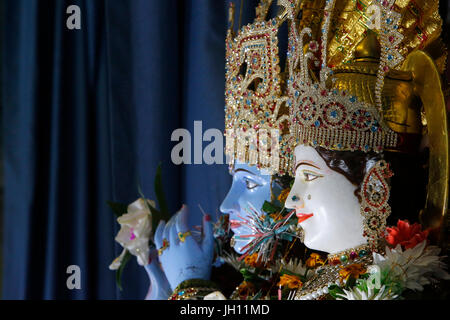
324 116
256 118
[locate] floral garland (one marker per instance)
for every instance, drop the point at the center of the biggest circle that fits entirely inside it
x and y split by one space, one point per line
266 272
407 265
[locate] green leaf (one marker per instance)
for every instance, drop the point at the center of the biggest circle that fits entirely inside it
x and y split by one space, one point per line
250 276
119 271
334 290
118 208
361 283
351 281
270 208
160 197
284 271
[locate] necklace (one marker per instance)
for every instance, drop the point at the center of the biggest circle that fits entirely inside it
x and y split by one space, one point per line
327 275
348 255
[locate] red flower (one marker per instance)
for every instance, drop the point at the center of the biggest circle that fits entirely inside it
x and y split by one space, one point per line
408 236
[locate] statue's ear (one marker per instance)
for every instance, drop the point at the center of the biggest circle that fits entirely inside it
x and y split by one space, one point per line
427 85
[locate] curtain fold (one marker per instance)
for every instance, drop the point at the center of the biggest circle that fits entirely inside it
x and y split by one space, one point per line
87 115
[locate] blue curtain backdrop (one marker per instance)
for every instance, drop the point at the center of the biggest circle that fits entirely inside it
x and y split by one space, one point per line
87 116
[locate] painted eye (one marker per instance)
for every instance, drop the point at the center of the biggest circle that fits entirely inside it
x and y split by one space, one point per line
251 185
309 176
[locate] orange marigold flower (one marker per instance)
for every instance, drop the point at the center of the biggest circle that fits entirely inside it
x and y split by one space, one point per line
283 195
314 260
293 282
276 216
246 288
252 260
405 234
353 270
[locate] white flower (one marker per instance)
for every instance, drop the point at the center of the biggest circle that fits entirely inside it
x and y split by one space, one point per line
414 267
232 260
216 295
117 261
294 266
357 294
134 234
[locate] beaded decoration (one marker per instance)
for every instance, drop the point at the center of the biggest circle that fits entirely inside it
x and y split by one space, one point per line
349 255
189 293
389 37
325 276
193 289
374 205
330 118
255 113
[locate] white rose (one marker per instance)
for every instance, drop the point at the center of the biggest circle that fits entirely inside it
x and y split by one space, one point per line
134 234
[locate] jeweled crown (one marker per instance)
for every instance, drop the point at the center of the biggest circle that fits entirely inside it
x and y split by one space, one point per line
321 115
385 92
256 115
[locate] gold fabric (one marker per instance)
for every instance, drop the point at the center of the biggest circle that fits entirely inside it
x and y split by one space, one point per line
427 85
401 106
420 25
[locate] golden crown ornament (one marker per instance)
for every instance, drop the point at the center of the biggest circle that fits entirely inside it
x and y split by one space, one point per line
372 84
256 116
323 116
331 118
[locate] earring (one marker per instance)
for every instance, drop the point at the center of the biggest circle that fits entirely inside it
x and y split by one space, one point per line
374 206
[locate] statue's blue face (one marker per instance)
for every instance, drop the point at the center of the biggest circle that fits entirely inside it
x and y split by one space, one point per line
250 188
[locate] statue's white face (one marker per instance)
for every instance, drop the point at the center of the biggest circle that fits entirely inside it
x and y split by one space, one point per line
325 204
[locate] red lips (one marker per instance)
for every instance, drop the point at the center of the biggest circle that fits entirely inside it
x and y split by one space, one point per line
303 216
